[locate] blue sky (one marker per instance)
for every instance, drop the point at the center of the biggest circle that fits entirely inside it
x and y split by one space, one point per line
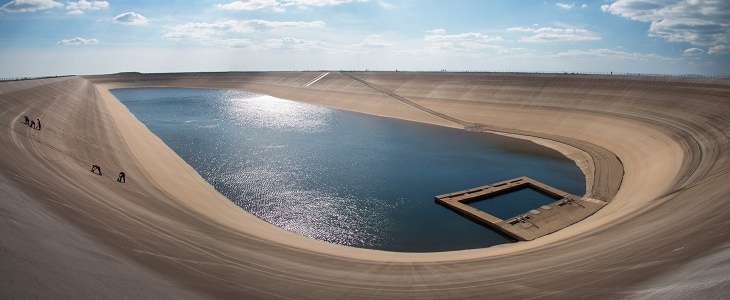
47 37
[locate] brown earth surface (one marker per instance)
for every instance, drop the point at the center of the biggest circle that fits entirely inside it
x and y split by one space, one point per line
656 148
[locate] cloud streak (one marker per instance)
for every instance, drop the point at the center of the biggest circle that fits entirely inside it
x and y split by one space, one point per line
372 42
698 22
549 34
292 44
281 5
78 41
439 42
204 31
78 8
565 6
612 54
24 6
130 18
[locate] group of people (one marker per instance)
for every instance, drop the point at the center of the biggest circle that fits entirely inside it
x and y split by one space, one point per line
97 170
32 124
94 168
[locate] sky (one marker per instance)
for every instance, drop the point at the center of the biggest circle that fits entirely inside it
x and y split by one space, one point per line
675 37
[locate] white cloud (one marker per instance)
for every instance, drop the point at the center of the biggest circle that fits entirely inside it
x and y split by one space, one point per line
208 31
468 43
386 5
78 8
29 5
372 41
437 31
521 29
78 41
292 44
251 5
612 54
283 43
199 31
693 52
130 18
549 34
565 6
439 35
719 49
321 3
281 5
263 25
235 43
699 22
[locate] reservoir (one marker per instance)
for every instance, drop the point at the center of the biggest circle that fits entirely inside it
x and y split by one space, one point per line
344 177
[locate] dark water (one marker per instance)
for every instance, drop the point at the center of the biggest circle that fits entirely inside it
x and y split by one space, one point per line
345 177
505 206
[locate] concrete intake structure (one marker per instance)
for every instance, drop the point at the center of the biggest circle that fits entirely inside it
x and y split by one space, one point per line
567 210
656 148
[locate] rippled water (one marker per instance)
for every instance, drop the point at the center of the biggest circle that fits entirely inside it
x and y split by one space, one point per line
340 176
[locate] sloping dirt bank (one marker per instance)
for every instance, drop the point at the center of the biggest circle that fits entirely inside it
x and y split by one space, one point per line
167 233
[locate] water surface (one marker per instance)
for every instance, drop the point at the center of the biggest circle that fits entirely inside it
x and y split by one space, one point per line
344 177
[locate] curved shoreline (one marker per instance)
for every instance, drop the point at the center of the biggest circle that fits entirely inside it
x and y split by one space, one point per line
336 250
669 133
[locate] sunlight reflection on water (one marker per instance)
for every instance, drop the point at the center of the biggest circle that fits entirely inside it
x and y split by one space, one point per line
273 113
274 183
339 176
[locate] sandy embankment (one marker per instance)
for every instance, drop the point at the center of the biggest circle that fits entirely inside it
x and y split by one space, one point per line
167 232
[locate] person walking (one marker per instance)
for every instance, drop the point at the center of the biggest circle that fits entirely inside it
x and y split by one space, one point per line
38 122
94 168
121 178
27 121
32 124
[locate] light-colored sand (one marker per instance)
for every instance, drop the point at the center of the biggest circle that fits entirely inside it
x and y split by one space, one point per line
166 233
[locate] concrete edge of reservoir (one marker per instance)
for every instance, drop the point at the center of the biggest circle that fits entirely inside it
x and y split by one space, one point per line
659 147
565 211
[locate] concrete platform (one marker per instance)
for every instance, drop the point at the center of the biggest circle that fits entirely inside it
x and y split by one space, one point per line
565 211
